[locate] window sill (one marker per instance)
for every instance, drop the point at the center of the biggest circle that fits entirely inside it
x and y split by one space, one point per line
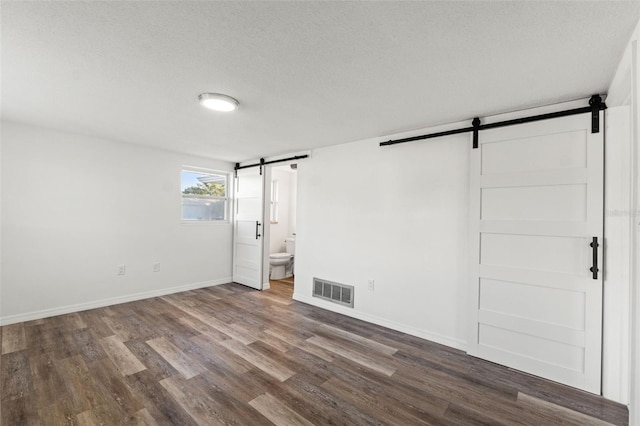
205 222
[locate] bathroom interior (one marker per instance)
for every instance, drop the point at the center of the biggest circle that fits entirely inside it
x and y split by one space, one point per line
282 212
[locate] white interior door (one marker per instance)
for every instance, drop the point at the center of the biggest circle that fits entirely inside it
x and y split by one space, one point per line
536 205
247 228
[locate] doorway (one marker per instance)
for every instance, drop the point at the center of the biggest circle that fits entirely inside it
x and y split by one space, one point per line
264 224
280 209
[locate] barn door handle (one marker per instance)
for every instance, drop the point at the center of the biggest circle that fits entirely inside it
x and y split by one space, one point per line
257 229
594 249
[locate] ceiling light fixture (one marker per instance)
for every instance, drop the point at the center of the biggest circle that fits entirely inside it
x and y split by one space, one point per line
218 102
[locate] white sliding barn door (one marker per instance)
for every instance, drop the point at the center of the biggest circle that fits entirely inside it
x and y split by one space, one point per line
247 228
536 204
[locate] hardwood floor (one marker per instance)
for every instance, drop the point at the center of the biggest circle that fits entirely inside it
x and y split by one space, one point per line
231 355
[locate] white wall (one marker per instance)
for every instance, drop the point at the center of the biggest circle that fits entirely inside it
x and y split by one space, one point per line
74 207
619 226
397 215
1 260
624 95
634 417
286 208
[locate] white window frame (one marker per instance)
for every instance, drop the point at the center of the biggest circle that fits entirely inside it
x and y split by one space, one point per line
226 198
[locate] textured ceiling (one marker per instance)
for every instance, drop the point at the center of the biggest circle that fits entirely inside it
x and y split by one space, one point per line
307 74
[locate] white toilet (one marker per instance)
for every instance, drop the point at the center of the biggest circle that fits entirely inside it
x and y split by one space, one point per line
281 264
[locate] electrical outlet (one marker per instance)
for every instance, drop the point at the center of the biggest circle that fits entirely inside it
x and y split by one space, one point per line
122 269
371 285
156 267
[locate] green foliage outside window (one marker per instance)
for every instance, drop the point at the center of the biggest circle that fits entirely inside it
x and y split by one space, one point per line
208 188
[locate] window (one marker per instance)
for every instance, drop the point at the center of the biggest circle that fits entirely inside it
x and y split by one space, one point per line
204 195
274 201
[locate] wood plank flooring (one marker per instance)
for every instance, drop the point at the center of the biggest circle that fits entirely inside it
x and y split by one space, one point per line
229 355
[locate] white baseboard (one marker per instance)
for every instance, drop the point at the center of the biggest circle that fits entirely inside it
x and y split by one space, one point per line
423 334
30 316
266 286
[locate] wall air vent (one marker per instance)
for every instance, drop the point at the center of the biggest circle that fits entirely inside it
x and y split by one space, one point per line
333 292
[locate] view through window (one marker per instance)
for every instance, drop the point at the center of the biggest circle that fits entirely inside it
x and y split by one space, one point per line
204 195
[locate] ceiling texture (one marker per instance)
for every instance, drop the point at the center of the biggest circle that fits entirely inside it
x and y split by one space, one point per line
307 74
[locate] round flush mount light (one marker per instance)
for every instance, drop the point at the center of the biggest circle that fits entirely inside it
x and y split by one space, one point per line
218 102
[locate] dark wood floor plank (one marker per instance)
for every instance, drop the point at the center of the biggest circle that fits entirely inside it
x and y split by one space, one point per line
203 328
285 335
385 410
419 401
342 411
180 302
456 377
59 413
83 392
117 391
583 402
547 412
102 415
266 364
64 345
279 414
353 337
314 410
159 403
493 403
448 358
164 324
39 340
176 327
288 330
19 411
129 328
157 366
13 338
235 403
16 376
231 355
157 306
244 386
317 351
209 407
203 295
87 346
315 369
52 337
93 320
217 324
459 415
220 291
364 359
275 342
121 309
48 386
300 319
72 321
143 417
214 355
125 361
272 298
174 356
